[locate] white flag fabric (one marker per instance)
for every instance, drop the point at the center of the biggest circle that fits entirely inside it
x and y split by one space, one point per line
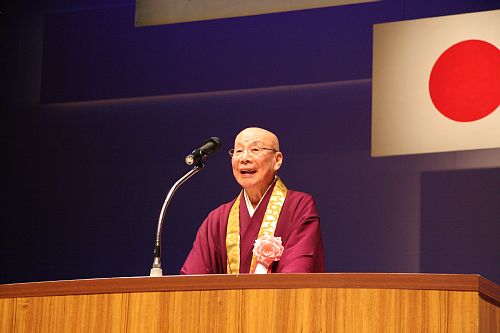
436 84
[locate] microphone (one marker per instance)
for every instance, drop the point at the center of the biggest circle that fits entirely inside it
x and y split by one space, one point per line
209 146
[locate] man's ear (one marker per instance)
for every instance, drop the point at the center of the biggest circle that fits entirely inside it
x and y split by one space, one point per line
279 161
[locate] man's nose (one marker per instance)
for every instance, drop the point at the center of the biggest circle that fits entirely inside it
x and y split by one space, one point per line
245 155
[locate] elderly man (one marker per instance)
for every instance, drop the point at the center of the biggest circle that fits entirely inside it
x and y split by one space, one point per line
265 211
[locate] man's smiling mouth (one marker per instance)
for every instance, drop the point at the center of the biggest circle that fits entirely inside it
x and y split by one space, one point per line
247 172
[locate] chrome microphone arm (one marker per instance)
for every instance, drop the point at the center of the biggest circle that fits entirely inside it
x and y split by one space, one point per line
156 270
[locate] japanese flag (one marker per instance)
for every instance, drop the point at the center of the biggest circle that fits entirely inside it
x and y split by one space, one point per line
436 84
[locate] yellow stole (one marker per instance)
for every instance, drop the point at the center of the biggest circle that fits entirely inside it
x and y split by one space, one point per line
267 227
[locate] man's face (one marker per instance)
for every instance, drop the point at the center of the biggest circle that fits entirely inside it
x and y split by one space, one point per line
256 173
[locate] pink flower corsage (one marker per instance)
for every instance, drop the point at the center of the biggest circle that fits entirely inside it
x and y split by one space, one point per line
267 249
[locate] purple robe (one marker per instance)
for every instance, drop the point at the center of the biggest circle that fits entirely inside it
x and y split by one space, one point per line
298 227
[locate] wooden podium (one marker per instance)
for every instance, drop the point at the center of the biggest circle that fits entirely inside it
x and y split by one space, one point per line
255 303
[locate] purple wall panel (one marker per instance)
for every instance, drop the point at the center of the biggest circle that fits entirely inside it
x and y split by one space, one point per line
99 54
463 208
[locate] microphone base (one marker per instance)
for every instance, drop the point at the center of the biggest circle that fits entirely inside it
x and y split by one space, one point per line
156 272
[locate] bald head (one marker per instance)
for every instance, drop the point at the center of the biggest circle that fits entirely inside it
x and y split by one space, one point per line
255 172
267 138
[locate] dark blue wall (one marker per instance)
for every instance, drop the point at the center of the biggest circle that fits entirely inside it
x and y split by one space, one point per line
98 116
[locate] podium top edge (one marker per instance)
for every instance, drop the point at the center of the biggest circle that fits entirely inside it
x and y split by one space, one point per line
412 281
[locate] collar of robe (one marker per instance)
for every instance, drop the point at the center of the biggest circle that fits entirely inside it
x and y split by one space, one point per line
267 227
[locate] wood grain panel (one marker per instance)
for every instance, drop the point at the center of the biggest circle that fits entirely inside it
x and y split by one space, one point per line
305 310
489 319
7 314
318 304
82 313
188 311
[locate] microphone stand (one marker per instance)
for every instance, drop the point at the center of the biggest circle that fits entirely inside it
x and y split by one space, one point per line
156 269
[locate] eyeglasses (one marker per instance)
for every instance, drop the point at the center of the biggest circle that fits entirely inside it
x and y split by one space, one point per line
253 151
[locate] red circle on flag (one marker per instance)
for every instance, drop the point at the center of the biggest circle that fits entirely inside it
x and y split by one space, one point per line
464 84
